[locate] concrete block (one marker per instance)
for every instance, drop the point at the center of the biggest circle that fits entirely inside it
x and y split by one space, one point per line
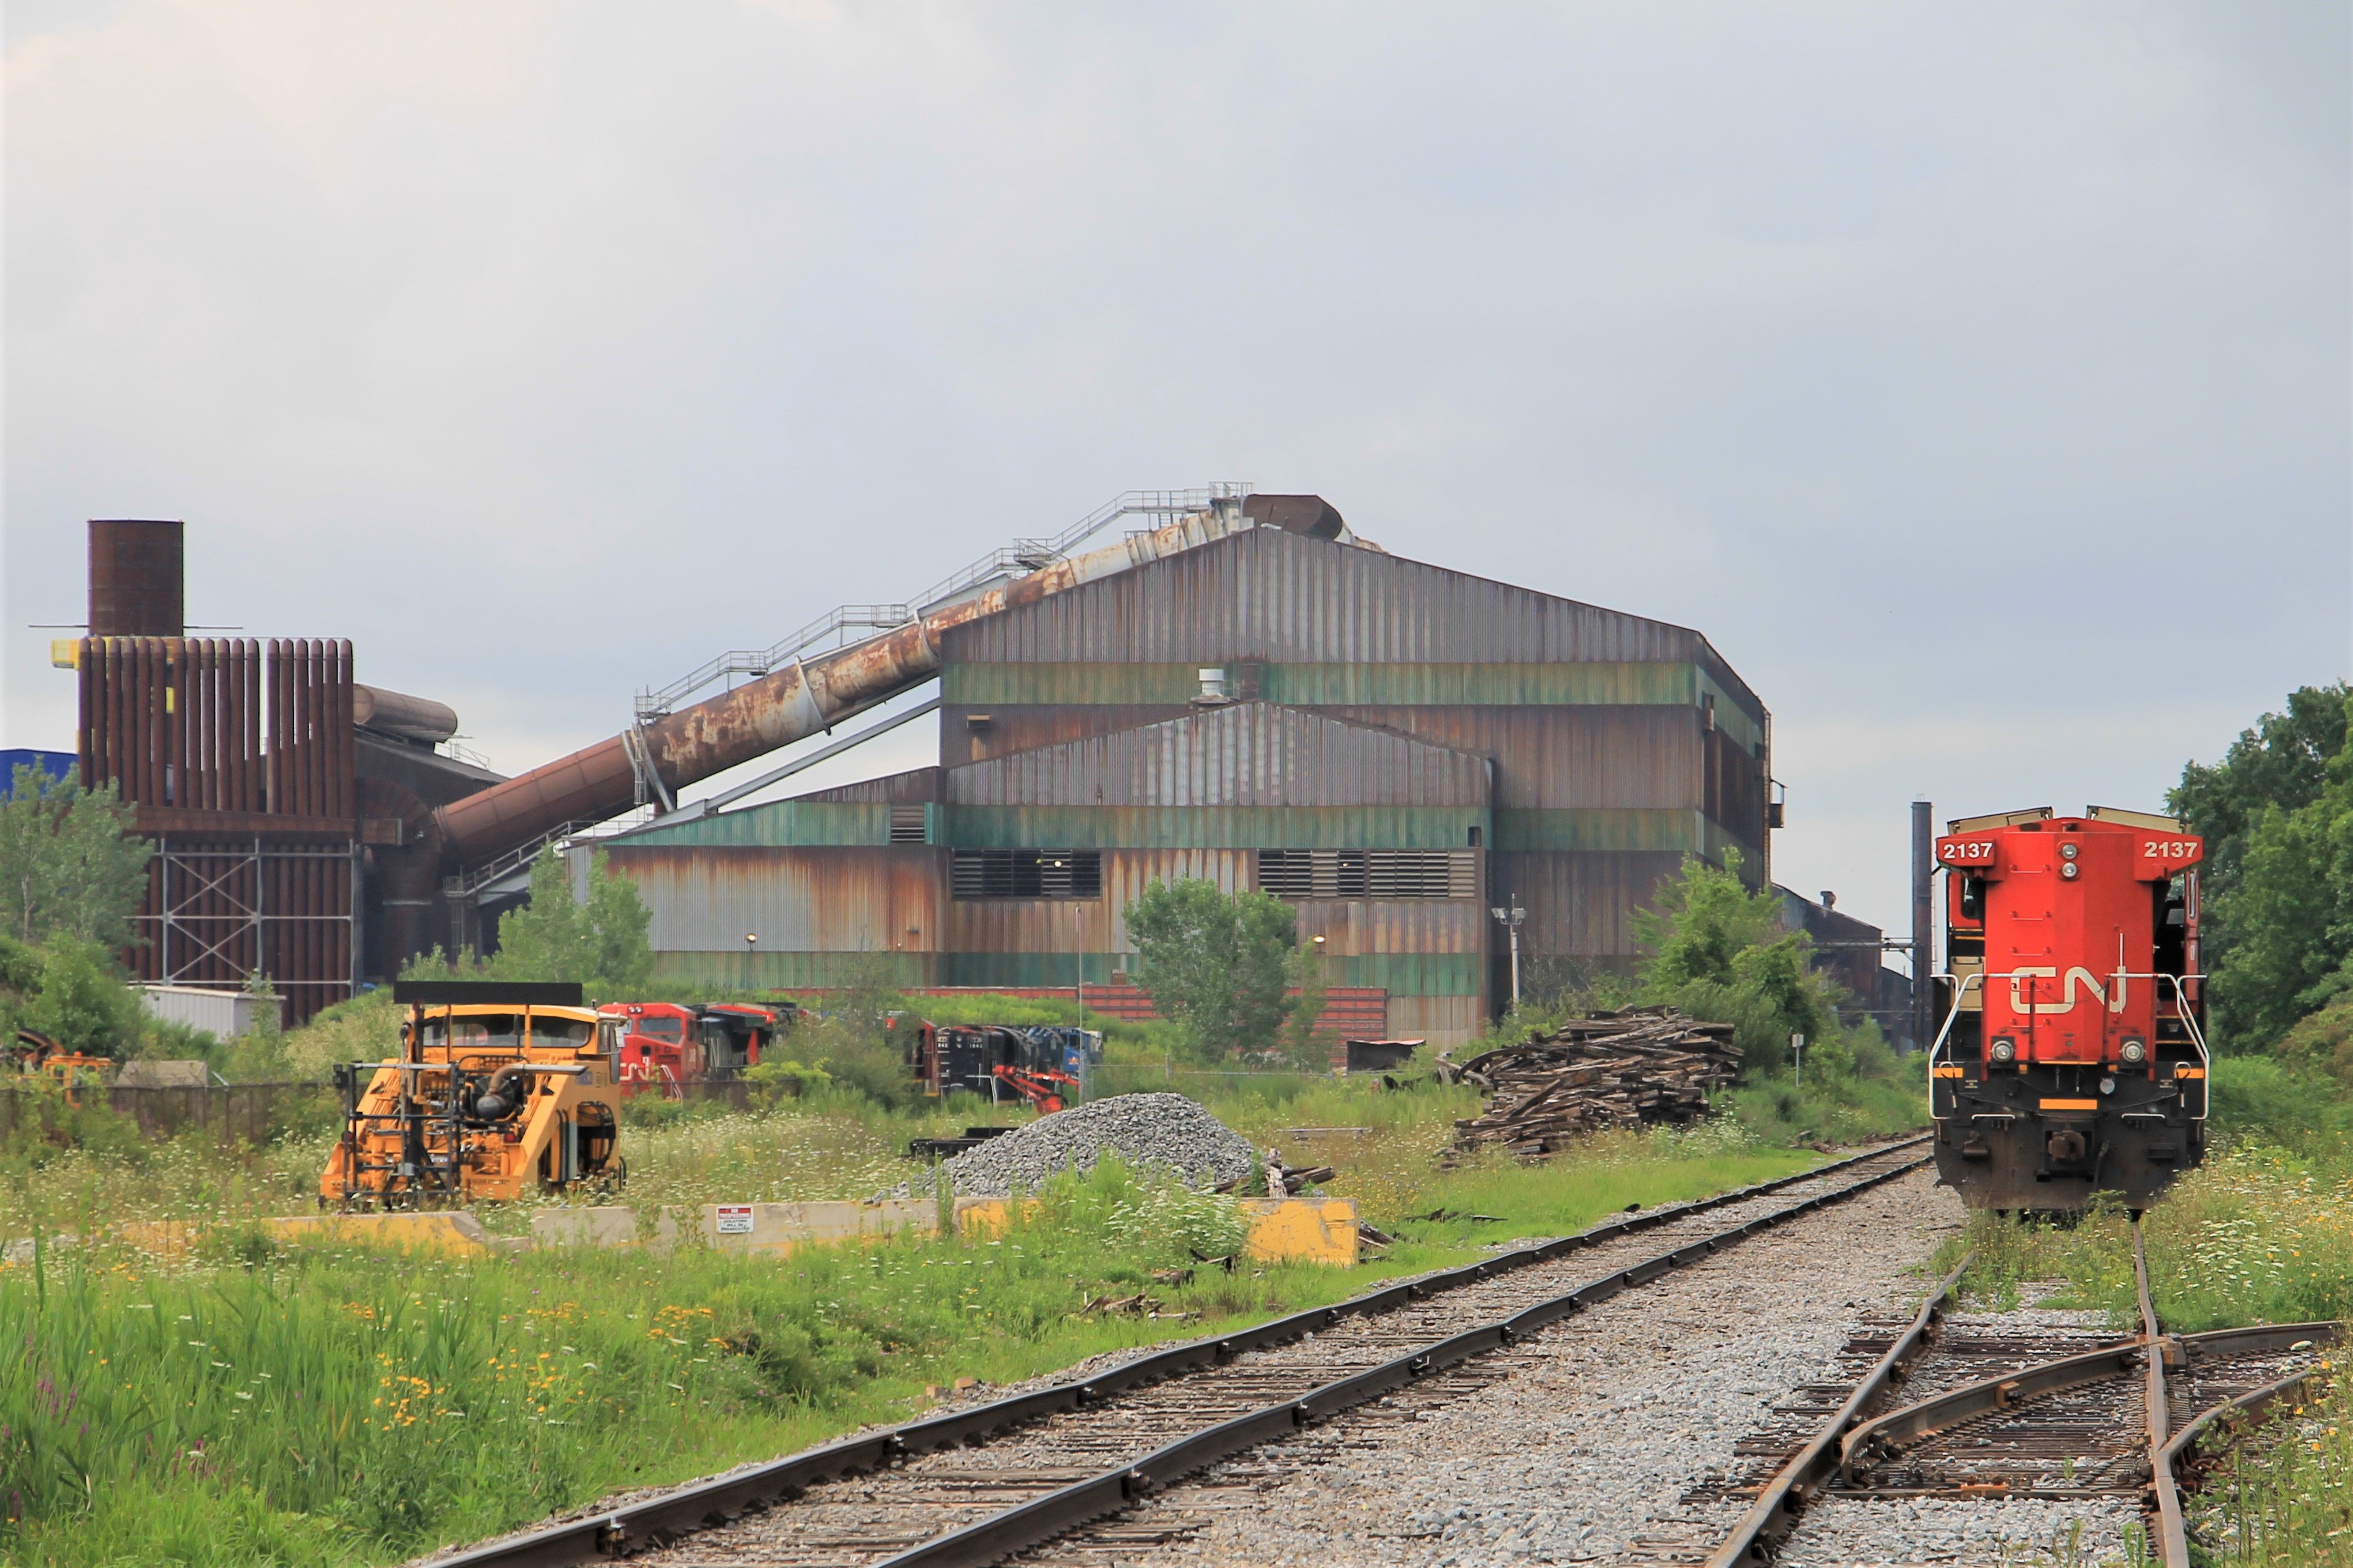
1316 1230
439 1230
614 1226
783 1227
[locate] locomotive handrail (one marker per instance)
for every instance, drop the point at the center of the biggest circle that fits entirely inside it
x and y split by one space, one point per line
2180 1001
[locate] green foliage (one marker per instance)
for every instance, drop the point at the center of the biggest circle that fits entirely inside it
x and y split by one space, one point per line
80 1002
69 864
2320 1044
2282 762
1299 1037
1718 953
1216 965
2277 817
600 942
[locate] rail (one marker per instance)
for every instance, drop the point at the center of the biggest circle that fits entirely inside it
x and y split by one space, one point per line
1020 557
1754 1540
672 1516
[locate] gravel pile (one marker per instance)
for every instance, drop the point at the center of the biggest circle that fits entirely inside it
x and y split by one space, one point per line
1165 1129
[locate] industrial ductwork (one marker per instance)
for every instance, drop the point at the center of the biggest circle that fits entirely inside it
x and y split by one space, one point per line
670 752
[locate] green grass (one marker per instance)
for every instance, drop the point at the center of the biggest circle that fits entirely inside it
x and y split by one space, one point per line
263 1405
2262 1233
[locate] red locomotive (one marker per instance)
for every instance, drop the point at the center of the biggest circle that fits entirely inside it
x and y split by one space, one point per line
2071 1057
664 1044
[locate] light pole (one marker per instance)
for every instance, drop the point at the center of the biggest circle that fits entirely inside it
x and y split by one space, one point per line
1512 919
751 941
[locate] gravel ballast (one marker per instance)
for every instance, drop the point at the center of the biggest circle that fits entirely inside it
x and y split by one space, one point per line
1163 1130
1581 1447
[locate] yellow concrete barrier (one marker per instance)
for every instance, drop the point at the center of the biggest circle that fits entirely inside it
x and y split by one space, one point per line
781 1228
1310 1230
448 1231
1282 1230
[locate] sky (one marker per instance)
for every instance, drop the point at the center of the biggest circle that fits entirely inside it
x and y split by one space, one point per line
1977 378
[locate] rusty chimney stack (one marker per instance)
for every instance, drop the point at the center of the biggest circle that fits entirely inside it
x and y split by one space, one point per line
137 579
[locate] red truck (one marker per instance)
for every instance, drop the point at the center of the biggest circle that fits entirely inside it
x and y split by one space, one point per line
666 1044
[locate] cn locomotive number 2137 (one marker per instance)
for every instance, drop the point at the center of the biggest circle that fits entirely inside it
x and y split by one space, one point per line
2070 1057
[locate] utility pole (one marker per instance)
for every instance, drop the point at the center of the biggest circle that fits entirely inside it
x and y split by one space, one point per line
1924 871
1512 919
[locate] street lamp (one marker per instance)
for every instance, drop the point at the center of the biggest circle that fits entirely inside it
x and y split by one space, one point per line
1512 919
751 941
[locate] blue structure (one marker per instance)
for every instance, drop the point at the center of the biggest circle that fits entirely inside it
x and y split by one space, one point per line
57 764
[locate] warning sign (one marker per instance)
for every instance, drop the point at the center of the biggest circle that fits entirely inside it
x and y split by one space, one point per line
735 1219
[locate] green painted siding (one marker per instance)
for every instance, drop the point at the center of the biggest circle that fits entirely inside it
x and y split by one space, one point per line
784 822
1214 828
1030 968
1752 859
787 971
1731 716
1311 685
1410 973
1401 974
1630 827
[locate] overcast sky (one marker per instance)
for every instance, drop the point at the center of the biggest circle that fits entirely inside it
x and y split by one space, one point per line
1974 376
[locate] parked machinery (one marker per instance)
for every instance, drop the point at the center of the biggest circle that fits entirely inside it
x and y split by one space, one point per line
665 1045
1036 1063
36 1055
2070 1054
501 1089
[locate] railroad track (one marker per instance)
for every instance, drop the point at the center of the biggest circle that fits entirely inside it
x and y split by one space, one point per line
2104 1417
975 1486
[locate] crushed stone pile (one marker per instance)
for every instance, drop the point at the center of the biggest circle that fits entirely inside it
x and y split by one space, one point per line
1165 1129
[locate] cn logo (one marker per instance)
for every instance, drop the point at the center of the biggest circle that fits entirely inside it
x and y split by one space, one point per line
2112 995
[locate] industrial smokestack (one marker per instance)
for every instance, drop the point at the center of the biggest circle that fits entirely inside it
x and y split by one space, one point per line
137 579
1924 872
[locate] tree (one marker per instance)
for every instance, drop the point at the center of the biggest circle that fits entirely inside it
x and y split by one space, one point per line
1718 952
1298 1037
81 1003
2283 761
1216 965
69 863
601 942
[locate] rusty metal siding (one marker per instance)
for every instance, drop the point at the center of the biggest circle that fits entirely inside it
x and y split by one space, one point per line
1248 755
1556 758
1353 928
1581 906
808 899
1327 685
774 825
916 786
1214 828
239 758
1284 598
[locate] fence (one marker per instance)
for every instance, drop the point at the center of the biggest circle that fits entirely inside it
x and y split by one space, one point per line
248 1112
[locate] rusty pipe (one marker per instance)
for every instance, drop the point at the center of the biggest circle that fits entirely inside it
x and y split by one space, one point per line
783 706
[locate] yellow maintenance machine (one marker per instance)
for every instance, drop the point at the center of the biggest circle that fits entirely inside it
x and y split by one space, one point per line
500 1087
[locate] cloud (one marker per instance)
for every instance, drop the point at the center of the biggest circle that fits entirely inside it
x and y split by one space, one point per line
1961 374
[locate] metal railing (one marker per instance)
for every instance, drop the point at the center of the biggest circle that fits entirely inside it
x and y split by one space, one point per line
1021 558
476 877
2181 1005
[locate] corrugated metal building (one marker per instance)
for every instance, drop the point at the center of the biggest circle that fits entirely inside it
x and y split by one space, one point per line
1393 747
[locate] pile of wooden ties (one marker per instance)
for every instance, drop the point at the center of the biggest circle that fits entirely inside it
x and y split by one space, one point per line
1613 1069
